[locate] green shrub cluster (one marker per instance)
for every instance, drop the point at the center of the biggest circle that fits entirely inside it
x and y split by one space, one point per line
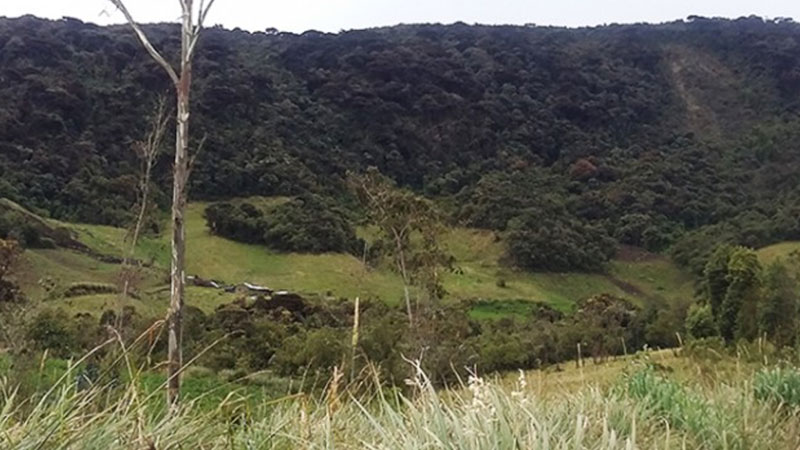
84 288
292 336
743 300
304 224
15 226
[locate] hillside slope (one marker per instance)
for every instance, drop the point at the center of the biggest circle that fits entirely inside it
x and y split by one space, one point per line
641 134
640 276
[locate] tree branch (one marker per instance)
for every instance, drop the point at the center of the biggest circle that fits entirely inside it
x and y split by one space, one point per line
145 41
201 19
194 156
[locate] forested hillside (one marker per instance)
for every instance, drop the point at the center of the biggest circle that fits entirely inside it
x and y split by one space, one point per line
571 141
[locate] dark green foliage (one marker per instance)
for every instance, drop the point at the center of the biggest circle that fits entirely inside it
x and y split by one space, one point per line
700 321
79 289
310 224
242 222
15 226
745 300
304 224
297 337
496 120
63 336
499 197
716 278
643 230
318 349
9 292
662 320
738 316
539 242
778 316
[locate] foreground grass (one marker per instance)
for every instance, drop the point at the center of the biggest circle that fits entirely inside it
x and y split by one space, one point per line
629 403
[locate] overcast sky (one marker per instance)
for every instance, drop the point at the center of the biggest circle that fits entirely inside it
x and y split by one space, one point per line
336 15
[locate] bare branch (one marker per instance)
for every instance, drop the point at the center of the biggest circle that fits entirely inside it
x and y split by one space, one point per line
200 13
194 155
145 41
204 12
201 19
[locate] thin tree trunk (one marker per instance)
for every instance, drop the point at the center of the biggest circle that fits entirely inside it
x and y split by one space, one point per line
401 263
177 273
137 228
190 34
354 338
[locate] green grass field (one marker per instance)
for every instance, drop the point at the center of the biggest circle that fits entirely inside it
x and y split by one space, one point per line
640 277
781 250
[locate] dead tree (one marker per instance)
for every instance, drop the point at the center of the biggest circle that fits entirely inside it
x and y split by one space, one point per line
147 150
192 21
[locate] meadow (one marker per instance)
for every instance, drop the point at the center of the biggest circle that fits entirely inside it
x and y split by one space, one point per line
480 272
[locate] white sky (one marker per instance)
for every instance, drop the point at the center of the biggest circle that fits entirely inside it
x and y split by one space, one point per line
336 15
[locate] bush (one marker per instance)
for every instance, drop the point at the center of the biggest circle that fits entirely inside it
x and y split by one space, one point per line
316 350
557 244
700 321
54 331
80 289
310 224
305 224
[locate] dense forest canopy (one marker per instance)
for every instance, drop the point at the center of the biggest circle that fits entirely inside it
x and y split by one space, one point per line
678 135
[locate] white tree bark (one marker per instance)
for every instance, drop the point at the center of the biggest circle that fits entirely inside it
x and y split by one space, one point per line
190 33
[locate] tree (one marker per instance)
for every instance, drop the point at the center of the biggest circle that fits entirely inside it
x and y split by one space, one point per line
147 150
739 310
700 321
191 25
411 225
552 241
715 276
778 317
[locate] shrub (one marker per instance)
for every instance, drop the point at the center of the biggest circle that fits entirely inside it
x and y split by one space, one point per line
700 321
305 224
80 289
554 243
53 330
309 224
318 349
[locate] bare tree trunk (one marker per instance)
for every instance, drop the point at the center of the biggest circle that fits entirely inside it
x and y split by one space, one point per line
190 33
180 172
401 264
